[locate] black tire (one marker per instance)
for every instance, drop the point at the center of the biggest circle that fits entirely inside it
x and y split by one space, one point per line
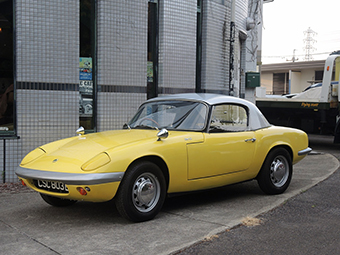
276 172
142 192
56 201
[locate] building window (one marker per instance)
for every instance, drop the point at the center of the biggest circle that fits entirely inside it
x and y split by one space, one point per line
152 66
199 46
318 76
280 83
87 65
7 104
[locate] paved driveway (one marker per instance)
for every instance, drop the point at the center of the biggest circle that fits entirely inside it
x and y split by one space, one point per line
30 226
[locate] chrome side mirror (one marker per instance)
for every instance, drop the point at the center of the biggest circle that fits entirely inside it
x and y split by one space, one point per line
162 134
80 131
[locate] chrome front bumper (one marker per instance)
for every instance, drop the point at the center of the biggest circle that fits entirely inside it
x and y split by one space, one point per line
305 151
69 178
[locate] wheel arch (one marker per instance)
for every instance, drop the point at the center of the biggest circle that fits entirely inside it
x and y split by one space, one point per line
284 146
157 161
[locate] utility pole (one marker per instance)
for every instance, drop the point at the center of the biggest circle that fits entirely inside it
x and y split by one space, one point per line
293 58
309 41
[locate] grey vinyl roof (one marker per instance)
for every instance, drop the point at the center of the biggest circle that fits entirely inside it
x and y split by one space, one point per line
256 118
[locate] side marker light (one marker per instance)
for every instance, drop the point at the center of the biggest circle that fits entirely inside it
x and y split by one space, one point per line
82 191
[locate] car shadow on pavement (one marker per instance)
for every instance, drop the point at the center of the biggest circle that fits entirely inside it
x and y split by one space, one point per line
211 197
106 212
78 213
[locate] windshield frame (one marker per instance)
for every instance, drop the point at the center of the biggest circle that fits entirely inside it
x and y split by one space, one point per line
160 102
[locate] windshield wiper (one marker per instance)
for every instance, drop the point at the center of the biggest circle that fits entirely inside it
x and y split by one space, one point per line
126 126
146 127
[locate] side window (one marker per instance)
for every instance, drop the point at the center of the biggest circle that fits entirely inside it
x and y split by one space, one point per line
228 118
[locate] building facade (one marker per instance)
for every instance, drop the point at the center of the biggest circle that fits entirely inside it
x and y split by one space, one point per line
291 77
91 63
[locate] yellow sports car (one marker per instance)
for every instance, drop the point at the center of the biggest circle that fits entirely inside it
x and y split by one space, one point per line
173 144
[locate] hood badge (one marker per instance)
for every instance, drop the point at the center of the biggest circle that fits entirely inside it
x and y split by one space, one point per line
55 160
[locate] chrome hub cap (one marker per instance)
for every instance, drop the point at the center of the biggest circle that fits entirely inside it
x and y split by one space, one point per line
146 192
279 171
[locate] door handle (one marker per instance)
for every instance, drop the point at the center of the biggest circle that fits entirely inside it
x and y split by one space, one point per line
250 140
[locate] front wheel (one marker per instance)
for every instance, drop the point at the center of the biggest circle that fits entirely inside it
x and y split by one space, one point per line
56 201
276 172
142 192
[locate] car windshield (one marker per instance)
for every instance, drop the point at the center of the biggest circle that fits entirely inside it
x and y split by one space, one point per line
175 115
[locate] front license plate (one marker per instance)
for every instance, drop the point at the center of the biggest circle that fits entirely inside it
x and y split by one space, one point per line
52 186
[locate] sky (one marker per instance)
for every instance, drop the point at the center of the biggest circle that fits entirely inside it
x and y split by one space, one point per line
284 24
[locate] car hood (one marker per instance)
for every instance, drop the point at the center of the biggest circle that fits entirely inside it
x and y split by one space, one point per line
99 142
74 152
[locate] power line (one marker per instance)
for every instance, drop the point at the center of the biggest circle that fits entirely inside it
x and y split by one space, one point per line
298 55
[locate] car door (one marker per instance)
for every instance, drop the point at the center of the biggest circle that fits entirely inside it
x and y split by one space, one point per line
228 147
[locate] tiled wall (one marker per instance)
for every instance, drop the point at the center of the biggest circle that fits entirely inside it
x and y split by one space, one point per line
45 115
241 12
47 57
177 46
122 42
47 67
216 46
116 109
122 61
47 38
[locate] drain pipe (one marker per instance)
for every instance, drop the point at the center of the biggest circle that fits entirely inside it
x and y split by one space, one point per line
4 162
232 51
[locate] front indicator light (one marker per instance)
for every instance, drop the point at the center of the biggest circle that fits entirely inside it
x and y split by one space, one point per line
96 162
82 191
23 183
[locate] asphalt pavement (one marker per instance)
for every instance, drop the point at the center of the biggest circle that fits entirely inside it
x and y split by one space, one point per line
237 219
307 223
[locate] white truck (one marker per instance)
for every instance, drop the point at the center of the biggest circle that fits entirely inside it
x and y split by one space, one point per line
314 110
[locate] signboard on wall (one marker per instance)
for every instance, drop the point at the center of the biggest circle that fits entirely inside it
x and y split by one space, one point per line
85 69
150 71
85 87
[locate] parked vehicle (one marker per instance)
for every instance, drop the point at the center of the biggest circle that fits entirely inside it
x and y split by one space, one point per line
173 144
315 110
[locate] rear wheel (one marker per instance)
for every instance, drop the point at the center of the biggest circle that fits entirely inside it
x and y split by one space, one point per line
276 172
142 192
56 201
